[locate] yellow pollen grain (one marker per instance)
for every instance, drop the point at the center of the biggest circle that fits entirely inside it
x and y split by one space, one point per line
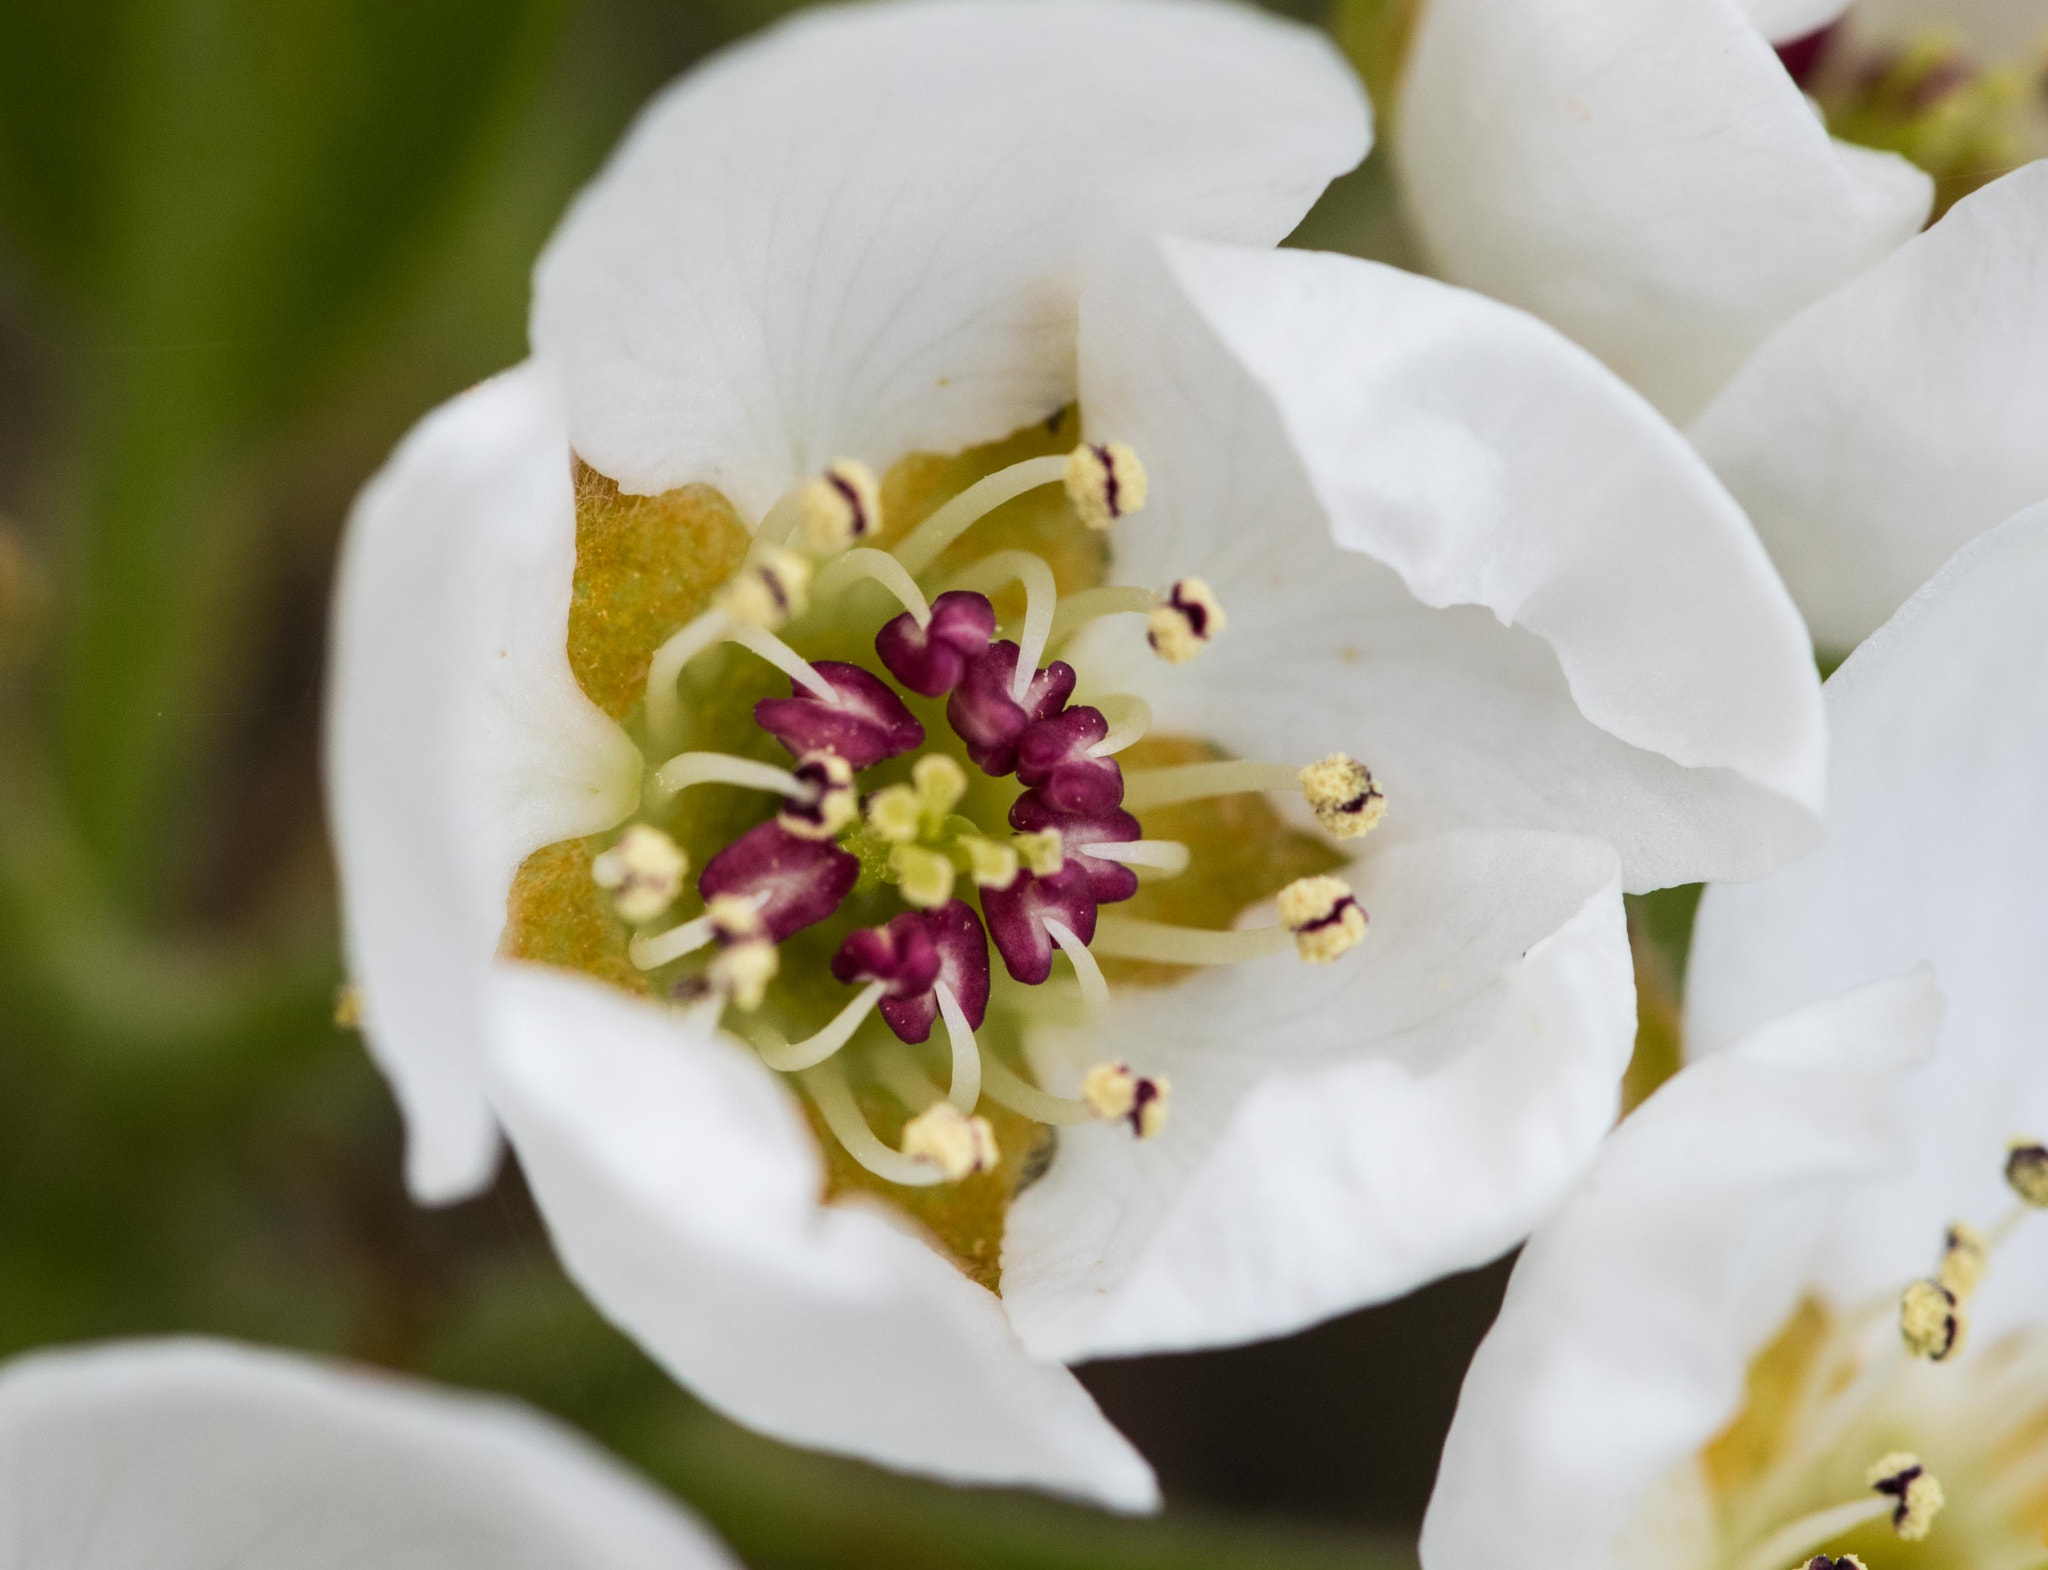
1341 793
943 1136
1110 1090
1965 1252
769 590
1180 626
1105 482
743 970
1323 916
1919 1493
841 507
1931 1320
2026 1171
643 872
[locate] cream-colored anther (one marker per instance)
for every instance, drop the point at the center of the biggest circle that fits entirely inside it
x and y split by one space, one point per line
643 872
1113 1093
894 812
2026 1171
773 586
923 877
1341 793
1964 1253
1324 916
834 804
1042 853
735 918
940 782
957 1144
1919 1496
841 507
1105 481
1181 625
743 970
992 864
1932 1321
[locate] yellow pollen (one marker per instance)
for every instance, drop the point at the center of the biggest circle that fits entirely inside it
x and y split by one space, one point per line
2026 1171
958 1145
1112 1092
1181 625
893 813
1931 1320
1324 917
1964 1254
643 872
348 1006
1104 482
1042 853
1341 793
769 589
992 865
743 970
841 507
836 804
923 877
1918 1493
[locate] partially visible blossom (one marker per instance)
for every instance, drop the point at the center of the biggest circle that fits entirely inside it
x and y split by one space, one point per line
150 1455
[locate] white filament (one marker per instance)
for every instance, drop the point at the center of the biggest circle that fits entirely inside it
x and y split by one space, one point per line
1167 856
761 641
1128 937
966 1087
835 1103
1041 600
1094 990
1077 610
1196 781
664 706
657 949
718 768
1129 718
795 1056
1006 1088
865 562
954 519
1792 1541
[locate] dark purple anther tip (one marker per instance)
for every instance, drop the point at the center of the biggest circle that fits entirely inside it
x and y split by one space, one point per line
900 954
867 724
1108 881
932 659
985 717
955 932
1017 917
804 880
1053 758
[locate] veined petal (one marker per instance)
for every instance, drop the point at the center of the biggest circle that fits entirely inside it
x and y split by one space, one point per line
1633 1313
1937 850
457 741
865 232
1880 429
1307 418
681 1186
1644 176
1340 1134
189 1454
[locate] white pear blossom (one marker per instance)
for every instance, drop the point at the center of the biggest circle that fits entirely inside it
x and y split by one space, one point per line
193 1455
1649 179
1812 1257
1394 556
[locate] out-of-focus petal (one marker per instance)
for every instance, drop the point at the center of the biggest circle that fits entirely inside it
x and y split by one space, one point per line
865 232
682 1187
457 741
1882 428
1644 176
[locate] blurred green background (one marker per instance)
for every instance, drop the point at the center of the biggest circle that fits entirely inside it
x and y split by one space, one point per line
243 245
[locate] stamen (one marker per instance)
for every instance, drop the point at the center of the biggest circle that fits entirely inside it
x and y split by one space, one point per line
966 1086
759 640
1324 917
1932 1321
1007 1088
1795 1538
842 1115
1341 793
1115 1093
1965 1252
1129 718
643 871
1168 856
876 567
943 527
718 768
2026 1171
1901 1476
741 971
828 803
794 1057
1132 937
728 918
1183 623
841 507
1094 990
948 1140
1113 599
1169 787
772 587
665 670
1105 481
923 877
1041 601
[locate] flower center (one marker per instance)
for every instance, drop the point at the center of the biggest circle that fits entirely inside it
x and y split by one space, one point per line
905 829
1869 1436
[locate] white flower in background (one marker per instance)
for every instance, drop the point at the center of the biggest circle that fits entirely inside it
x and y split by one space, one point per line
1812 1252
1649 179
194 1455
1396 557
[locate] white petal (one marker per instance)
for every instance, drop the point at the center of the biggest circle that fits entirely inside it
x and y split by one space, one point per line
1880 429
1644 176
196 1455
865 233
1305 417
681 1185
1338 1134
1632 1315
1937 849
458 741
